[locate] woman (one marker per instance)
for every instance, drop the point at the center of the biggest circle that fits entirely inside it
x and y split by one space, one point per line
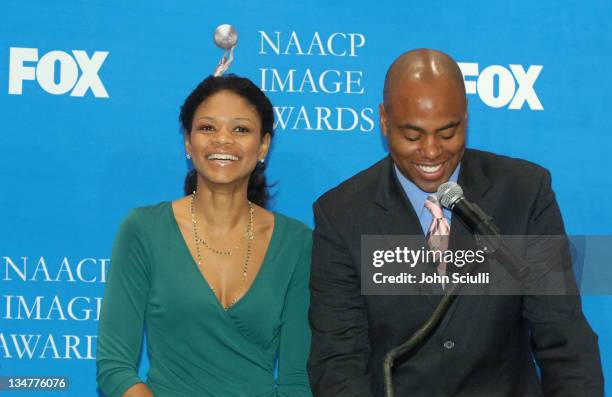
220 282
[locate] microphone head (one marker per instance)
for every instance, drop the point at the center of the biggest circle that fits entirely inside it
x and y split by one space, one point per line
449 193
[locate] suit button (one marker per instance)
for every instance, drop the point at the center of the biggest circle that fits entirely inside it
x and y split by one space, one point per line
449 344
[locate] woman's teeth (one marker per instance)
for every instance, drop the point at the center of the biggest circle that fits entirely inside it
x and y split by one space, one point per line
222 156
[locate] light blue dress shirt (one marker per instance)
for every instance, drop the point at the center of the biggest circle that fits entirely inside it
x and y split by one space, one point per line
417 198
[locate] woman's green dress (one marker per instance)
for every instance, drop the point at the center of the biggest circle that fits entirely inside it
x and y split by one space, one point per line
195 346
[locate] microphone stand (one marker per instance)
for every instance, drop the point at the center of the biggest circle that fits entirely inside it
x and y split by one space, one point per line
490 244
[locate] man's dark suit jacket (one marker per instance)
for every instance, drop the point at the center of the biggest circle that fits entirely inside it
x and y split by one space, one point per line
486 345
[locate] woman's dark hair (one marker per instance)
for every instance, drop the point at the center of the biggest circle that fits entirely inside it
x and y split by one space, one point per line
257 191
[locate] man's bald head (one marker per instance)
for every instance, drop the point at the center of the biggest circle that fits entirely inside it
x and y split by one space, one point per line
424 66
424 117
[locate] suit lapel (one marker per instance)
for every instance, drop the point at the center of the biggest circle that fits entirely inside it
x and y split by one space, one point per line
476 186
400 218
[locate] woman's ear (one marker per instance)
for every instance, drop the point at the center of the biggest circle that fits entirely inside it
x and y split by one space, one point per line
264 146
187 139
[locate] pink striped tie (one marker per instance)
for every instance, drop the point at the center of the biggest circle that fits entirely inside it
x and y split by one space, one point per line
439 230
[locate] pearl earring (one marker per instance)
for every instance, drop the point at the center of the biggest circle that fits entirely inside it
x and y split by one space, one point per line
188 155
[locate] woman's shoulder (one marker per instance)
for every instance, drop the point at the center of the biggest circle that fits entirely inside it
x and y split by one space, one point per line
296 244
292 227
150 211
147 215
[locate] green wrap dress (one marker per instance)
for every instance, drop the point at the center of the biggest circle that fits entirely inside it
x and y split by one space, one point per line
195 346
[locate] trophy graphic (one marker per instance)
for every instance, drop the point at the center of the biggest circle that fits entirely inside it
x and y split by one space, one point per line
225 37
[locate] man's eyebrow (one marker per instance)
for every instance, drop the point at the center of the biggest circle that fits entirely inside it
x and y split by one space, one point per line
452 124
408 126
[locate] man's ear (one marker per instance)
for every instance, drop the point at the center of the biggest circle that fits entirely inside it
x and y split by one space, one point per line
383 118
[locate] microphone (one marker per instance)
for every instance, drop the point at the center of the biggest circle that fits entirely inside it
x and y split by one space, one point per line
450 195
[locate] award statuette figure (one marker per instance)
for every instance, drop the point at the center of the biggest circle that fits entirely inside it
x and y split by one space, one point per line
225 37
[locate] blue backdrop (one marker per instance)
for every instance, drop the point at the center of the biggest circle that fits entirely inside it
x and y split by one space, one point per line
90 94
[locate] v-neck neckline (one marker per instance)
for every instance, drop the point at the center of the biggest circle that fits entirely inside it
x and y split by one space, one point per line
269 248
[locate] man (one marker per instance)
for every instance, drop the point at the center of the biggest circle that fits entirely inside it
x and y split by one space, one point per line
486 345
